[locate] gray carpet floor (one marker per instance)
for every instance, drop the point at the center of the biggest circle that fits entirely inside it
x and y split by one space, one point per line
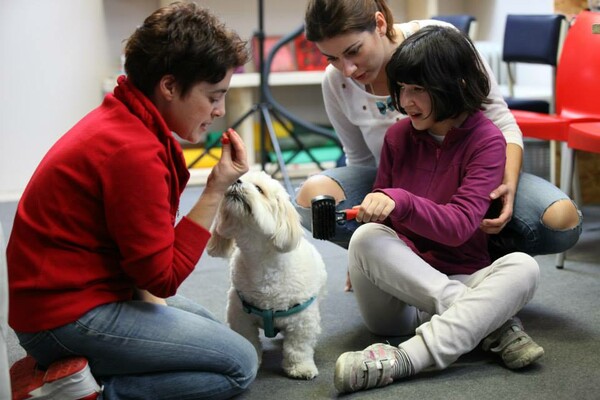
563 317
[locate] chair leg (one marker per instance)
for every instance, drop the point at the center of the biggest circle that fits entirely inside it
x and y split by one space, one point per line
567 164
553 162
576 183
560 260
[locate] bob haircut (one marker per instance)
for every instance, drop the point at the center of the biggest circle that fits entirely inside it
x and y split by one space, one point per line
446 64
325 19
183 40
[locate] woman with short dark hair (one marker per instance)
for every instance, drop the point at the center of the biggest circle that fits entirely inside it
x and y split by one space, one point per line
97 246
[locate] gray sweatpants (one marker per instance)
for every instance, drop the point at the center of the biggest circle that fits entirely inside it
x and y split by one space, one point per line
398 293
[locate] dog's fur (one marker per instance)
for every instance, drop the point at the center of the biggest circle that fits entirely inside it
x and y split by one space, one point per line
273 266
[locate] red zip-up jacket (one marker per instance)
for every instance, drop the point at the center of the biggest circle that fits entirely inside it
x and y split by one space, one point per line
442 190
98 217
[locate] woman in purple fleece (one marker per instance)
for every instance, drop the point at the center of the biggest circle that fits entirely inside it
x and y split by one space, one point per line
422 267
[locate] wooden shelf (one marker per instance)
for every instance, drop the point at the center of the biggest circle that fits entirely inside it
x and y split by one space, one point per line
292 78
252 79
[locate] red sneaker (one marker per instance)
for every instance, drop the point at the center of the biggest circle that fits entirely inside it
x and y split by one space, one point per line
66 379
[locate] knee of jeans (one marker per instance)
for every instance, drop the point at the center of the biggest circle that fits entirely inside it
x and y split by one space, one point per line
562 215
317 185
556 236
305 215
302 195
245 381
248 369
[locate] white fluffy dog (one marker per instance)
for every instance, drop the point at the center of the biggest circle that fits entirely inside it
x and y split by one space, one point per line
277 276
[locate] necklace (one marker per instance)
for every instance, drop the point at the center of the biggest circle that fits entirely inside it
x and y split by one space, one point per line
385 106
382 106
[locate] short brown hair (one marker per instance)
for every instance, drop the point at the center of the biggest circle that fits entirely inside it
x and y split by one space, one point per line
183 40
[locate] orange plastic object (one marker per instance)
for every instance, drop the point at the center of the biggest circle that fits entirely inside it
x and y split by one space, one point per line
351 213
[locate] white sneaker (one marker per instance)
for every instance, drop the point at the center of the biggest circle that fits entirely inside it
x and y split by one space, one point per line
376 366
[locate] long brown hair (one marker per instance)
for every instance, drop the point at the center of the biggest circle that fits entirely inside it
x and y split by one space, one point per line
325 19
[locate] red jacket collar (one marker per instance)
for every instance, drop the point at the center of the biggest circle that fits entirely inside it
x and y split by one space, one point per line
146 111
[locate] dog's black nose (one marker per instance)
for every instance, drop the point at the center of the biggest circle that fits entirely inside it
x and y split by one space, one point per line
236 187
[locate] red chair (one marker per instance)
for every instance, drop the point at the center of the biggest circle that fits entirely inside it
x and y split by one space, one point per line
577 88
582 136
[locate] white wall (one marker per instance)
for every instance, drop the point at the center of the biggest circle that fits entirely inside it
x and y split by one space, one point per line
56 54
54 57
491 14
122 17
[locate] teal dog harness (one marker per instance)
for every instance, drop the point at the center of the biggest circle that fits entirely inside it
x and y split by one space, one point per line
268 316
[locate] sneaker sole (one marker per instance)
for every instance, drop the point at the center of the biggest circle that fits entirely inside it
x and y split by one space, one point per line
340 372
526 359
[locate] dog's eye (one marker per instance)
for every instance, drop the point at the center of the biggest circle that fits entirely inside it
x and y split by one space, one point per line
259 189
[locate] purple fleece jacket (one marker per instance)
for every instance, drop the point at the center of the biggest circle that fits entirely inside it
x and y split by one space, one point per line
442 190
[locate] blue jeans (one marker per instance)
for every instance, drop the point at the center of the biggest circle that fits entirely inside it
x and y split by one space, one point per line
139 350
525 232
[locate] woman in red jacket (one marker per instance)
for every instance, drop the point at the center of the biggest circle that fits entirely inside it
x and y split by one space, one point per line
96 245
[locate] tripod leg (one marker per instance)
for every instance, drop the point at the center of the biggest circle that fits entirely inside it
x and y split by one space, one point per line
246 115
269 125
294 137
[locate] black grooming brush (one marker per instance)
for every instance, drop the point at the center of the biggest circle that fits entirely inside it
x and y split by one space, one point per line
325 217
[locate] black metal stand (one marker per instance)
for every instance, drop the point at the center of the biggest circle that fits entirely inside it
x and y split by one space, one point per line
268 106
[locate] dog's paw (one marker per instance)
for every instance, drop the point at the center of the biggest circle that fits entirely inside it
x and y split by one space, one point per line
306 370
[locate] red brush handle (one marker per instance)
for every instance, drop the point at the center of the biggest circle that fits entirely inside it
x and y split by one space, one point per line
350 214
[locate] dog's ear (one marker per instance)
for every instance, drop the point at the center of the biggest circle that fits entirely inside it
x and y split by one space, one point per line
288 231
